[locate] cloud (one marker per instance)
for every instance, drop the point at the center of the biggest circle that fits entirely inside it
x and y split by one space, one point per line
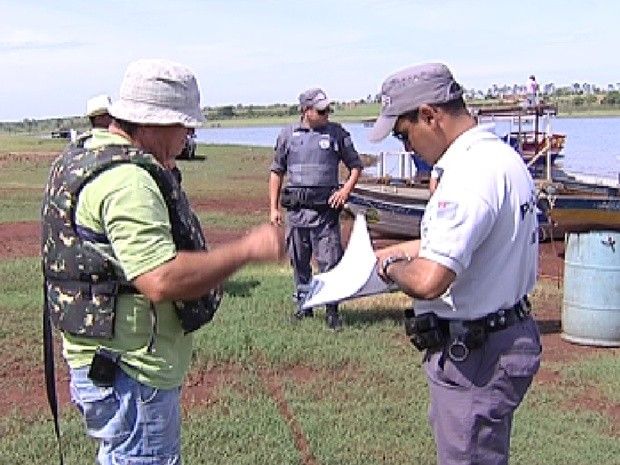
25 39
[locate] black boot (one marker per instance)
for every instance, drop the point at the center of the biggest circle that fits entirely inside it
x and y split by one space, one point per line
332 318
300 313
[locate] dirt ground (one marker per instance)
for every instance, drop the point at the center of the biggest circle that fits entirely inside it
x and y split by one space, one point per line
22 240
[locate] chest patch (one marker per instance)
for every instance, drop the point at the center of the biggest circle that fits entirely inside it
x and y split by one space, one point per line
324 142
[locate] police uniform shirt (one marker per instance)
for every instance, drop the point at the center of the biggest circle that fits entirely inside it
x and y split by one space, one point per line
333 141
481 223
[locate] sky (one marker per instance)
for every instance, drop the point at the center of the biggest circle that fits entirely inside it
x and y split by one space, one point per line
56 55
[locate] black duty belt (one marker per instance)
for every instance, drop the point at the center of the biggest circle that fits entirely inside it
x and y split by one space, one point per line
503 318
428 331
315 198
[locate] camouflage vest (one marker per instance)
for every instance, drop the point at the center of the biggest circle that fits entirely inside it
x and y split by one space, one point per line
82 285
82 138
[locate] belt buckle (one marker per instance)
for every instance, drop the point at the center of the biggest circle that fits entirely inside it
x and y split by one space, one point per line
457 350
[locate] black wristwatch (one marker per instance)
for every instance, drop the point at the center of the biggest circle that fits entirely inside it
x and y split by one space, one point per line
390 260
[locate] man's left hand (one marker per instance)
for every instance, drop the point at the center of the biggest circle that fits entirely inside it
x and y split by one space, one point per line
338 198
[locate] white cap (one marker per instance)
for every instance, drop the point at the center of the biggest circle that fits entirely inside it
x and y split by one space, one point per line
98 105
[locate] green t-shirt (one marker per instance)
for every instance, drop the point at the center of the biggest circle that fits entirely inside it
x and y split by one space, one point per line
125 203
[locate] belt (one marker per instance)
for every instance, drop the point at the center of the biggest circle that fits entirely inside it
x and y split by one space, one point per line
428 331
504 317
464 336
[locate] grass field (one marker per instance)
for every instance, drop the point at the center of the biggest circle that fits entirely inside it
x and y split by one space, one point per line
264 391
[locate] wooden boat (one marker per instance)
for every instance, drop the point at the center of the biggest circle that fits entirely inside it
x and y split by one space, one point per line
574 206
529 144
394 205
392 211
536 145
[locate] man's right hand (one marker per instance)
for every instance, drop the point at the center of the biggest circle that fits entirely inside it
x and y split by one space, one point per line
275 217
266 243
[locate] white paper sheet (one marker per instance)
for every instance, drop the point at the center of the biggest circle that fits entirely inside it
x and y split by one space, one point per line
354 276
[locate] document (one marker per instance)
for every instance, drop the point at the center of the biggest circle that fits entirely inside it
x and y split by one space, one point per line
354 276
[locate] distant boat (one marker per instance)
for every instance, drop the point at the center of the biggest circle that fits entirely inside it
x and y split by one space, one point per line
538 145
533 146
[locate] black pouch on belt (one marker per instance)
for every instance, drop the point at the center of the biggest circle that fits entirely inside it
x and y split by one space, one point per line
103 367
425 331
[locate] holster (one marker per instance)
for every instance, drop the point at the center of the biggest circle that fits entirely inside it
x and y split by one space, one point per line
425 331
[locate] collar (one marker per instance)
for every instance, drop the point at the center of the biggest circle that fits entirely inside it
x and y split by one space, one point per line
464 142
103 137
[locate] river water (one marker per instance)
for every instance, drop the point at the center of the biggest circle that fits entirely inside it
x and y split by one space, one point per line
592 148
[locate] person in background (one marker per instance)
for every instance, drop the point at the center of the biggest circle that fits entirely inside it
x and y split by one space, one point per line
97 111
472 269
309 154
128 277
533 91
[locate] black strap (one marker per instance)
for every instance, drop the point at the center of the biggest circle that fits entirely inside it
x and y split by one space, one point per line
506 317
50 378
88 234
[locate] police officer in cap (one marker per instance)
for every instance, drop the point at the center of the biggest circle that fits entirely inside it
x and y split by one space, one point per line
308 153
471 270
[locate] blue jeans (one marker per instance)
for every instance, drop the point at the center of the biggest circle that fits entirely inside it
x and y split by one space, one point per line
135 424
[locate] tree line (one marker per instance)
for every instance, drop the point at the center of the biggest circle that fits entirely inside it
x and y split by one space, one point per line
579 97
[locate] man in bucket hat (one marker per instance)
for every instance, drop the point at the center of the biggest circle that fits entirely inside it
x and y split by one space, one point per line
309 154
471 270
127 274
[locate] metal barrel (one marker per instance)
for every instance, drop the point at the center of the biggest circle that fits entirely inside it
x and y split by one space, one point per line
591 303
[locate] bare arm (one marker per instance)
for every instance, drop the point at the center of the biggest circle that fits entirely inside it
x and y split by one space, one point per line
339 197
192 274
419 277
275 184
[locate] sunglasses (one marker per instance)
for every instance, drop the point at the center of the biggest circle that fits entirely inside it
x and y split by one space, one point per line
403 137
325 111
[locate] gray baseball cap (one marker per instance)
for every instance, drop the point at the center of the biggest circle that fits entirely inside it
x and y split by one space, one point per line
314 98
158 92
408 89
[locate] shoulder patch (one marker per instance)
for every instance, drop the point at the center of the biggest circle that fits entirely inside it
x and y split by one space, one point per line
446 210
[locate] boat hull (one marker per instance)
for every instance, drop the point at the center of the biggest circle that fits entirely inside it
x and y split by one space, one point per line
579 214
390 211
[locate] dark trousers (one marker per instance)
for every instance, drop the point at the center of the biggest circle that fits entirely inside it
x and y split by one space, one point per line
472 402
322 241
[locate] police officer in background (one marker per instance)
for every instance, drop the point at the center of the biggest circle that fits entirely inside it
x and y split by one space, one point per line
97 111
128 277
471 270
309 154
